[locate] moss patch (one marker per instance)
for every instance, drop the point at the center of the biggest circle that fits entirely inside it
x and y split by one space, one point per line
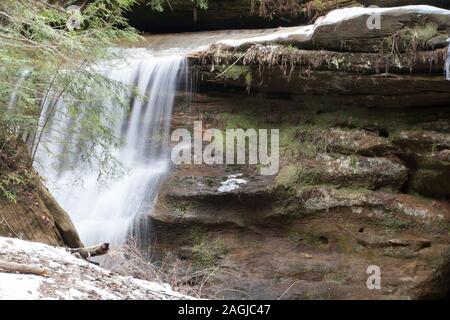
206 250
234 72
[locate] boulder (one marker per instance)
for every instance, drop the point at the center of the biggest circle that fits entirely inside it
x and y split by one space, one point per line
357 171
363 142
401 26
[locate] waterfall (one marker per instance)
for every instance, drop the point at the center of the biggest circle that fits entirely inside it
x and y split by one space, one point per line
110 213
447 61
13 98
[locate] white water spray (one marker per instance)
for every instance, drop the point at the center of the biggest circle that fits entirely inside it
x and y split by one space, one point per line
447 61
13 98
109 213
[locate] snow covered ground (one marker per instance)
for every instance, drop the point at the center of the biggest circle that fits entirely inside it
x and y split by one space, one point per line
67 277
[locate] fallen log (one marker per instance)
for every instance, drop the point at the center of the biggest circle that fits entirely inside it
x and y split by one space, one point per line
13 267
92 251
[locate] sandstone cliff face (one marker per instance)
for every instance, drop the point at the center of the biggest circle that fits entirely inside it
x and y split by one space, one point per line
27 210
345 197
363 168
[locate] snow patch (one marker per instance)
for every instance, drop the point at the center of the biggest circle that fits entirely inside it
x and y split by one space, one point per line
232 183
282 33
19 287
340 15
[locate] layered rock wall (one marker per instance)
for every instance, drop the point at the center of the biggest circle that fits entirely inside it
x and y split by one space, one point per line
363 164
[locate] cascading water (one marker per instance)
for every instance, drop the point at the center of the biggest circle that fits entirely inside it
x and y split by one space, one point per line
447 61
13 98
110 213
